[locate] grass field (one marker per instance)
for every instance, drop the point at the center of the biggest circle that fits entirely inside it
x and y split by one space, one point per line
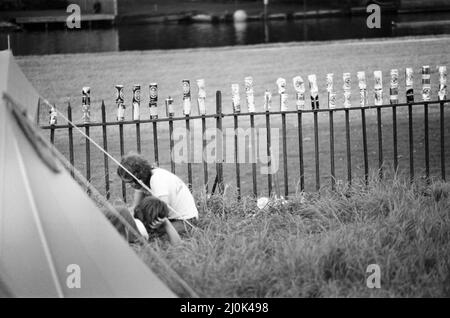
320 243
60 77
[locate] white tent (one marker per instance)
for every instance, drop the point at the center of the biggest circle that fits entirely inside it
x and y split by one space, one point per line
51 233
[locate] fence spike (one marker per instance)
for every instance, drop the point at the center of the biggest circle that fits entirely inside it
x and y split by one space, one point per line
299 86
235 98
314 90
426 83
120 102
442 94
153 100
347 89
393 90
378 88
409 83
136 102
86 104
186 97
201 100
281 83
249 94
330 90
362 88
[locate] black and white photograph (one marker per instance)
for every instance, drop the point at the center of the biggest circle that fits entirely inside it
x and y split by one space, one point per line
222 154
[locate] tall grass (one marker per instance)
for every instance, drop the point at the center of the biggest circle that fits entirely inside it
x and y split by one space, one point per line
320 244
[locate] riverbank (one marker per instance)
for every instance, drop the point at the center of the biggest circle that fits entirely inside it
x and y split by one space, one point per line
139 12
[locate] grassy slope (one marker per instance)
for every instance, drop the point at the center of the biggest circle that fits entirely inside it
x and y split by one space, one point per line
319 248
60 76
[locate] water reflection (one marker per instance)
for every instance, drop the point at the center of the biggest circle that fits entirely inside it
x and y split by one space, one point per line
173 36
240 28
58 41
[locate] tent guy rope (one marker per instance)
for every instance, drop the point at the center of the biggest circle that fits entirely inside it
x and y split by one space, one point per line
143 185
110 209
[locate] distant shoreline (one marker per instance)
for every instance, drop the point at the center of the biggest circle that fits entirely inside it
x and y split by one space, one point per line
206 13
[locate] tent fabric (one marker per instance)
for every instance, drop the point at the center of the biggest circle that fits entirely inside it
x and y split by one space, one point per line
13 81
51 232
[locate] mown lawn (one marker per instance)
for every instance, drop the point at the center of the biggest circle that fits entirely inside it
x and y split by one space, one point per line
317 245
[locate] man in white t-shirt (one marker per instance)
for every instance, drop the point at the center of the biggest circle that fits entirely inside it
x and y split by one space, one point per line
164 185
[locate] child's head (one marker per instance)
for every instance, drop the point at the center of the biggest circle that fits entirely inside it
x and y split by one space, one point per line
138 166
149 209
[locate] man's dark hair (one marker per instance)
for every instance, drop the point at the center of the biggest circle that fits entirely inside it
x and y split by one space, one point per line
138 166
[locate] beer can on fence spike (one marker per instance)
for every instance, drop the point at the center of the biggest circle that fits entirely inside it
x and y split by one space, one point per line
394 87
153 102
201 99
86 104
120 102
330 90
284 102
53 115
249 93
186 97
169 107
426 83
281 83
299 86
378 88
136 102
314 91
235 98
267 100
409 83
442 94
347 87
362 88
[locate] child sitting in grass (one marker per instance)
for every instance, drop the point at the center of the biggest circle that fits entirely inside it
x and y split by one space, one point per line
164 185
153 213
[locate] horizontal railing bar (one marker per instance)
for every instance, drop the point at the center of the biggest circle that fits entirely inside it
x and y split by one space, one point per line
129 122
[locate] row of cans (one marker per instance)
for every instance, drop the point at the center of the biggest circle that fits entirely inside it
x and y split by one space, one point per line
153 101
299 87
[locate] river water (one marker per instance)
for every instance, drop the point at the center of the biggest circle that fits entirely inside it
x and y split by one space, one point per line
175 36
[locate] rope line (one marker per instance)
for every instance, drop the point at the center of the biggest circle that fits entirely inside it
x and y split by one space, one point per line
143 185
101 200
